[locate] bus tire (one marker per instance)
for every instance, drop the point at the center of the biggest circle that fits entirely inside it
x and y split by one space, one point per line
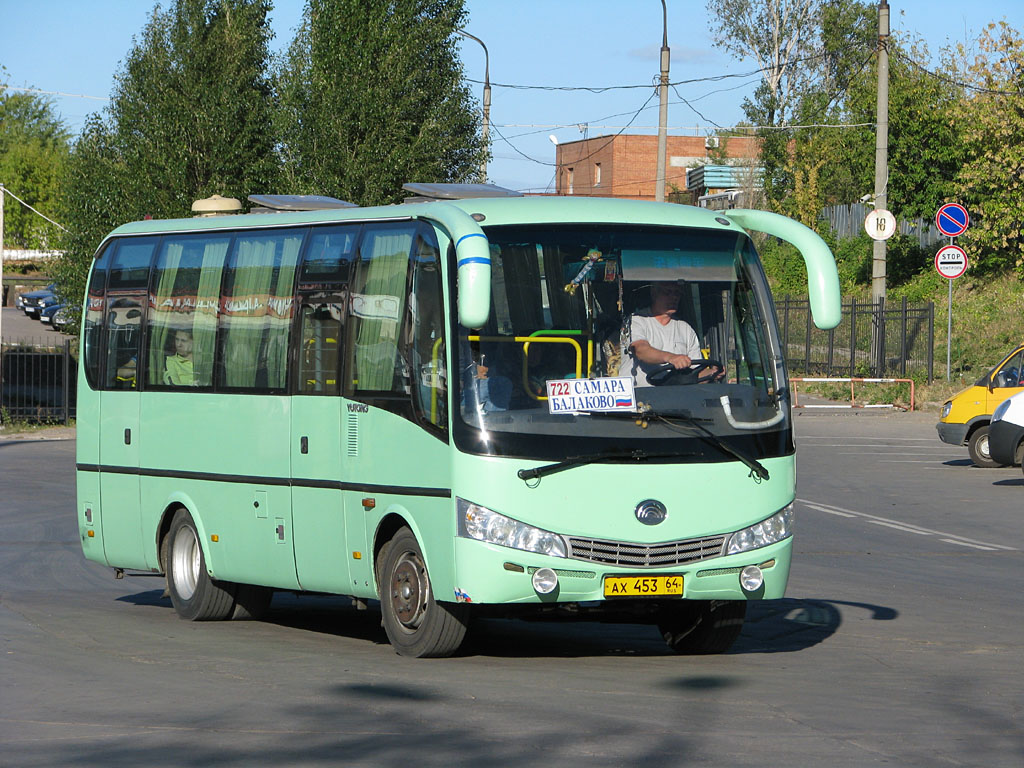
194 595
416 624
702 626
977 447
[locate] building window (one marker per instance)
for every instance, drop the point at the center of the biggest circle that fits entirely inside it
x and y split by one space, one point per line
597 174
570 179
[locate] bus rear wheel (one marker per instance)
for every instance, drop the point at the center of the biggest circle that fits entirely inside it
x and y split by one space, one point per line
194 595
416 624
702 626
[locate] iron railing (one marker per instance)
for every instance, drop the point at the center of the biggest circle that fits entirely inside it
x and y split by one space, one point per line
38 382
905 337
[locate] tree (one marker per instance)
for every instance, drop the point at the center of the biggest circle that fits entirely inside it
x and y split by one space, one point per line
991 181
781 36
33 147
190 116
372 96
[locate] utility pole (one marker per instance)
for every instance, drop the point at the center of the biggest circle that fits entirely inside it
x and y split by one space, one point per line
659 190
881 173
487 100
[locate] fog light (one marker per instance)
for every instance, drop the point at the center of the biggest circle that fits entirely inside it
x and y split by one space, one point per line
751 578
545 581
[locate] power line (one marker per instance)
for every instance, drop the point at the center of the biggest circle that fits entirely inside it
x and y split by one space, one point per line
7 190
55 93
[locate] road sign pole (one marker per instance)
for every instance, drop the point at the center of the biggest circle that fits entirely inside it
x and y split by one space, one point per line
949 322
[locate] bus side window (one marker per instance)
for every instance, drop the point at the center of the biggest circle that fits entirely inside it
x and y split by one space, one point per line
256 310
378 306
185 296
323 298
321 339
426 332
92 327
126 300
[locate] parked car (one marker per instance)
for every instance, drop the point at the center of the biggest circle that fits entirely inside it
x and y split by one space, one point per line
966 418
63 318
48 313
23 300
1006 433
33 302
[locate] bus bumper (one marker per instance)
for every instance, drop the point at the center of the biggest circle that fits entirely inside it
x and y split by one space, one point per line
954 434
489 574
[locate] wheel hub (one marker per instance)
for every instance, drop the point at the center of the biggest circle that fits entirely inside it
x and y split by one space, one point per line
410 590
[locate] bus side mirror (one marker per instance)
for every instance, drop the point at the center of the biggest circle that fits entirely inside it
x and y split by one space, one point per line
473 257
822 276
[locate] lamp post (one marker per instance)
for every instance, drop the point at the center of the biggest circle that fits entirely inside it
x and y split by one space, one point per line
659 190
487 98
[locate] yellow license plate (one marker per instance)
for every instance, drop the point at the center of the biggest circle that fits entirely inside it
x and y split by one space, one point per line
643 586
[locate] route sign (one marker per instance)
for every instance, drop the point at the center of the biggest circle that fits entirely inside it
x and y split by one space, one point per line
952 219
880 224
951 261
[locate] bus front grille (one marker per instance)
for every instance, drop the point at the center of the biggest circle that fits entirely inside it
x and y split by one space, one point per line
635 555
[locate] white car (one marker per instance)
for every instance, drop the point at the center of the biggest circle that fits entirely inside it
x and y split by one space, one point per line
1006 433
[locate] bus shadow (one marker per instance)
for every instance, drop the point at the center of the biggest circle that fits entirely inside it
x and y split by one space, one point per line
1015 481
772 626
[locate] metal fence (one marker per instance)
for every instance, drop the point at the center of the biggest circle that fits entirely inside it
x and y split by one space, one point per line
848 221
906 339
38 383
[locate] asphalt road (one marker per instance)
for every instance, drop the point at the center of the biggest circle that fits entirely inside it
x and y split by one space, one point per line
898 644
17 327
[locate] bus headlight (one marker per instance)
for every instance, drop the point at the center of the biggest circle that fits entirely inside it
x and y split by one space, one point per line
483 524
946 408
776 528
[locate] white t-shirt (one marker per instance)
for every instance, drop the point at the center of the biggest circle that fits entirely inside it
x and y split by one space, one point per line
675 337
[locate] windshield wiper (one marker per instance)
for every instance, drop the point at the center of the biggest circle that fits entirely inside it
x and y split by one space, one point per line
756 467
592 458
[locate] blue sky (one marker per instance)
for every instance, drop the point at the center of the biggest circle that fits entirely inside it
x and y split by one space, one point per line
75 47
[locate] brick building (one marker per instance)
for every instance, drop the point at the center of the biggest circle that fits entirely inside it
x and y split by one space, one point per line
627 165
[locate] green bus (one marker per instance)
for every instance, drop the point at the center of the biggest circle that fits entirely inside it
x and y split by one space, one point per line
441 406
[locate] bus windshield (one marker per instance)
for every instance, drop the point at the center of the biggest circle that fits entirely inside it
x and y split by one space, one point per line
571 360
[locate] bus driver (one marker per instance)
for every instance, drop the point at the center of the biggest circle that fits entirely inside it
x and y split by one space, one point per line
658 337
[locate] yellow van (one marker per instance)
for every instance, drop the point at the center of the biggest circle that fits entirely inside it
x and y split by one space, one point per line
965 419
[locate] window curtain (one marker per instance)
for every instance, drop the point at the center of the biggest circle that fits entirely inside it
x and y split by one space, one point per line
380 307
257 311
162 320
204 321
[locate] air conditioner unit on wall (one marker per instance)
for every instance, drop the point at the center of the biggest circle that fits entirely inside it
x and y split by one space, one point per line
711 142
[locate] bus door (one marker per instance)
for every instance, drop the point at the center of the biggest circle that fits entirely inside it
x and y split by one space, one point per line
126 300
322 548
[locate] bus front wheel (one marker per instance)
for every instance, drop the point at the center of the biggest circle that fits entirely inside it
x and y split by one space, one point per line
702 626
195 596
416 624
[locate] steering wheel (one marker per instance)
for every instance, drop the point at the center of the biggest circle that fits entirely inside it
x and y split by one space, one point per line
668 374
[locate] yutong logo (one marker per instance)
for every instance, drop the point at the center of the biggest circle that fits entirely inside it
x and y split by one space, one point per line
358 408
651 512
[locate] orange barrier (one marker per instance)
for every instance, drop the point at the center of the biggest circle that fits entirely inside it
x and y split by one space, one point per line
853 401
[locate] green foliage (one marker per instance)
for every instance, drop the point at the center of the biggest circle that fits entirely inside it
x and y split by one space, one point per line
190 116
33 148
372 96
991 181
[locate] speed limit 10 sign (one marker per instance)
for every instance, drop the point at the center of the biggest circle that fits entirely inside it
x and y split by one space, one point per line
951 261
880 224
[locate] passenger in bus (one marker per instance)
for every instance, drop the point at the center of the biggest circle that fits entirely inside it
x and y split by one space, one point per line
178 367
658 337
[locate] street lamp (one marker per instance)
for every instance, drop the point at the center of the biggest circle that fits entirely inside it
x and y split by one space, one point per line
659 191
487 98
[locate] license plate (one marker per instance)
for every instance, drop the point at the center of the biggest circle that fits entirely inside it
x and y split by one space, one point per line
643 586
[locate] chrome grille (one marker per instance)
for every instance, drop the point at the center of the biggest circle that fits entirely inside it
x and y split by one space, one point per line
645 555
